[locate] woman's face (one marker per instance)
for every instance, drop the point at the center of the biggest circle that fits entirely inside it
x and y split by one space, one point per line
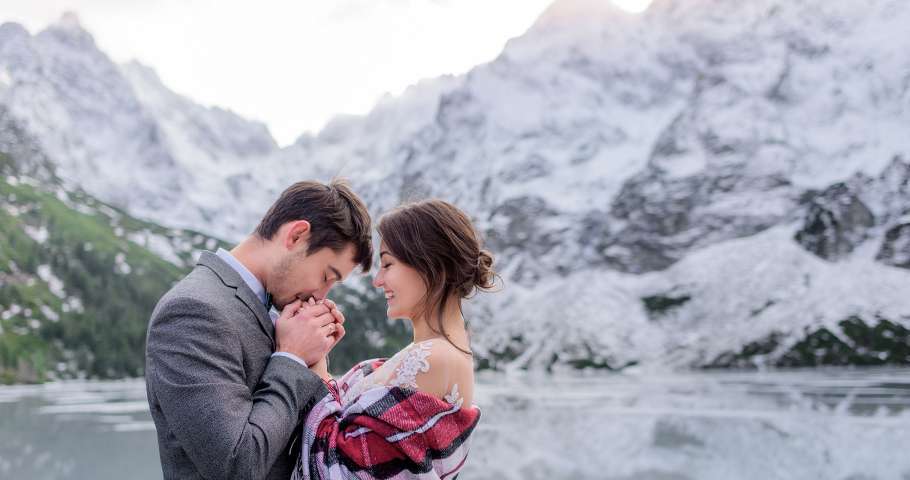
403 286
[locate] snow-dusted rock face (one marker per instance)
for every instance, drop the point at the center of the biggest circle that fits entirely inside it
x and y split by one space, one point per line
847 214
837 222
71 97
712 182
117 132
896 246
15 143
193 131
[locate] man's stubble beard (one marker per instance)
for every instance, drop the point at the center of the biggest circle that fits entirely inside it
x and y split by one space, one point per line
279 278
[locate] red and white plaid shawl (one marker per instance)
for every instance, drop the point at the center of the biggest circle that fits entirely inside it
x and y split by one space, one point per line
383 433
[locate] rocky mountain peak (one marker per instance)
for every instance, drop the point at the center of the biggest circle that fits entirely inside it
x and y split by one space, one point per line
69 30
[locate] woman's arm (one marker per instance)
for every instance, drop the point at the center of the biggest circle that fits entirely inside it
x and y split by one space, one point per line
321 368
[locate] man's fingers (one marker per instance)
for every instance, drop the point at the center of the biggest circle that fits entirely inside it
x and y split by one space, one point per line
324 319
327 330
311 310
338 316
293 307
290 310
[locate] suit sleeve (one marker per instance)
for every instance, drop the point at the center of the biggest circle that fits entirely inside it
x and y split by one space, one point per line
197 378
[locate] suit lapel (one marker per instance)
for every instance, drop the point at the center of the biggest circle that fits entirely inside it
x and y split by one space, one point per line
252 302
242 291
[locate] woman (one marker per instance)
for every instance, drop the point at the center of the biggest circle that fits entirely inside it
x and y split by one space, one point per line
409 416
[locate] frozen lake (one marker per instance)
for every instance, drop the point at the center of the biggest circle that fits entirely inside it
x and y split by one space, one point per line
819 424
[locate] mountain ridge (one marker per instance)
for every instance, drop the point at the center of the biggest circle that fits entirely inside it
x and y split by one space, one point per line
603 149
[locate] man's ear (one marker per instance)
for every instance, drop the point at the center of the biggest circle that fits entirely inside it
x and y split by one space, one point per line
298 234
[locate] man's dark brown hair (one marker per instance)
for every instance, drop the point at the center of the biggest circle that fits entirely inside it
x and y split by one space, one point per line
336 214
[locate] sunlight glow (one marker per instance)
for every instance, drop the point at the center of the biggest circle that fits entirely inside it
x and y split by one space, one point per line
633 6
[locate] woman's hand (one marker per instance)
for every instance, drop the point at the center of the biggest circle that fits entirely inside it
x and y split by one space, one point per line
338 331
321 367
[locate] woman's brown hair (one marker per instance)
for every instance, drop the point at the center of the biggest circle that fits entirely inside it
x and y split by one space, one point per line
439 241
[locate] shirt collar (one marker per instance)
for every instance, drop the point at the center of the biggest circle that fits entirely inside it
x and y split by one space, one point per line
247 276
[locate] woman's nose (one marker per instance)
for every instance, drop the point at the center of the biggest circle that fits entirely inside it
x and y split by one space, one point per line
377 280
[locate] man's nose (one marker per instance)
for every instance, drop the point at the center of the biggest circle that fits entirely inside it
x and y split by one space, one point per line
321 294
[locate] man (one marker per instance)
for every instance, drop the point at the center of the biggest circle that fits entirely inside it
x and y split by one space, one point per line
227 382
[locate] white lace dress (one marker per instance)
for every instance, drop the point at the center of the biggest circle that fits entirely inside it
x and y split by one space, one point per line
399 371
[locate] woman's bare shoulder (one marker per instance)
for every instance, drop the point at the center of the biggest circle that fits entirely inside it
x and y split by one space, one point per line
448 367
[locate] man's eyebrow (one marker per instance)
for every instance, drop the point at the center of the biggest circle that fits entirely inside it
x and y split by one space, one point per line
336 273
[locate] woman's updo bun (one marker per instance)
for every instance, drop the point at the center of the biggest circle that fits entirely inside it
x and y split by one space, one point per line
438 240
484 275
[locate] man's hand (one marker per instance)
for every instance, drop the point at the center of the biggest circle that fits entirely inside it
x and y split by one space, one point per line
307 330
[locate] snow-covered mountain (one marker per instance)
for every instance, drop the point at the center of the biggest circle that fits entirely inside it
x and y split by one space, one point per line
116 131
712 182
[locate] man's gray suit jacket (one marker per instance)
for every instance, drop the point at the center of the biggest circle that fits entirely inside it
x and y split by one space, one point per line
222 405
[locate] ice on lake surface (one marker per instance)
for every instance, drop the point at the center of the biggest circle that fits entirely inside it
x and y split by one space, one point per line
808 424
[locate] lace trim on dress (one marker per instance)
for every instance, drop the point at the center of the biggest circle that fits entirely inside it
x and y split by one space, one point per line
405 366
454 398
413 363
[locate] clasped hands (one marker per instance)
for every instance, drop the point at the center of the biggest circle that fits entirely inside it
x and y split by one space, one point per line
310 330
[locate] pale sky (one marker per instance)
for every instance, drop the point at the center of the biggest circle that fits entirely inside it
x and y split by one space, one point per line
293 64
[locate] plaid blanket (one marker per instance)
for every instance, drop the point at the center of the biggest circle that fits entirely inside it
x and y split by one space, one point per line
383 433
